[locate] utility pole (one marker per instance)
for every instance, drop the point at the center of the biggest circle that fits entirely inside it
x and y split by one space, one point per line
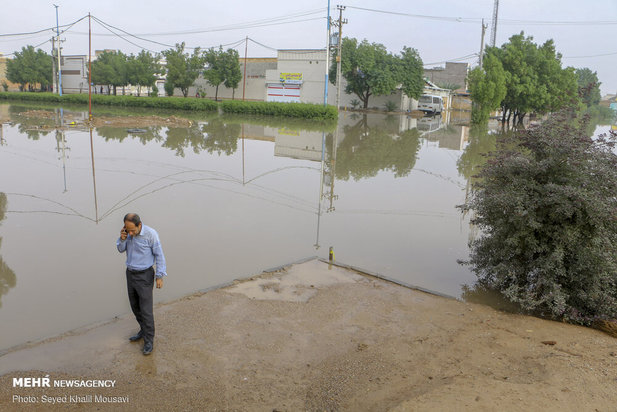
338 54
494 23
59 69
89 68
325 91
53 62
482 42
246 47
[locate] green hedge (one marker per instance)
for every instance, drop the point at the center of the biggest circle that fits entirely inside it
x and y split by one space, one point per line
298 110
302 110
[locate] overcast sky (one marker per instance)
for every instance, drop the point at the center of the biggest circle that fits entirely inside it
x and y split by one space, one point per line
584 32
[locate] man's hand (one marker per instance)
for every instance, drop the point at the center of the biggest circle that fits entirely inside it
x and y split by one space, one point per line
123 234
159 283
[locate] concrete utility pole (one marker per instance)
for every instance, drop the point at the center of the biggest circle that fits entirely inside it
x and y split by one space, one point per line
53 62
494 23
341 21
59 69
325 91
482 42
246 47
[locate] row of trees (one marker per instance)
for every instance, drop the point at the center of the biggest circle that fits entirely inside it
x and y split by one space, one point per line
371 70
30 69
521 77
116 69
181 69
217 67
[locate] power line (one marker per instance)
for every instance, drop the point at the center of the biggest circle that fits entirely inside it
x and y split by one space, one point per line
122 37
466 57
420 16
501 21
107 27
53 29
34 47
240 26
593 55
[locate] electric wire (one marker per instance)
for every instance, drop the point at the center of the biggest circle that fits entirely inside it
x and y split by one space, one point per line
122 37
501 21
462 58
53 29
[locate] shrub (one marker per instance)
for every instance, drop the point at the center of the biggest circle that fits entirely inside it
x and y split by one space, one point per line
547 210
355 103
302 110
5 86
390 106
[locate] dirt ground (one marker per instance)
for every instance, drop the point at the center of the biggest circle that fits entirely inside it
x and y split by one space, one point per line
74 120
318 337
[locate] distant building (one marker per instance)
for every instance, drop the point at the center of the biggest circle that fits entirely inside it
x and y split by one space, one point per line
256 68
3 79
454 74
74 74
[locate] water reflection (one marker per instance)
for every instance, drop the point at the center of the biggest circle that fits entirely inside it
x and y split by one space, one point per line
369 148
230 195
8 279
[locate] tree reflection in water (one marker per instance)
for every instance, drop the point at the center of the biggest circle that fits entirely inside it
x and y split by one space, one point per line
369 149
8 279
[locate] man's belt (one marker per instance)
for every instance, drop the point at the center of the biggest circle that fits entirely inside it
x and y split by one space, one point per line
138 271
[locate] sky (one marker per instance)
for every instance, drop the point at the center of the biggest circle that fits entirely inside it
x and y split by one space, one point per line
441 30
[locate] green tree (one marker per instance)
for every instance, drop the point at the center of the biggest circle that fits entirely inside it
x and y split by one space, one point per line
182 69
545 204
411 73
535 80
233 75
223 68
143 70
487 85
111 68
368 68
215 72
30 67
588 86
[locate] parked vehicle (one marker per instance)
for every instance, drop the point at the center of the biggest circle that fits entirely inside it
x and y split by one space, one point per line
431 104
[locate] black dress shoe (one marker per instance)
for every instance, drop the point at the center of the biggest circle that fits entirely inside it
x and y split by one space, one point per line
136 337
148 348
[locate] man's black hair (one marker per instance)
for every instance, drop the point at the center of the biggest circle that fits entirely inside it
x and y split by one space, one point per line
133 218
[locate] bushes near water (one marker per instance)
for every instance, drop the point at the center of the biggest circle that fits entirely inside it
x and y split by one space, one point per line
303 110
299 110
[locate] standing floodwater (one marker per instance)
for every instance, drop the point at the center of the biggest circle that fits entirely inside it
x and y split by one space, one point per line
231 196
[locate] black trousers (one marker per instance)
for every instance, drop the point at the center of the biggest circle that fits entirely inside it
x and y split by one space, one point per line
139 286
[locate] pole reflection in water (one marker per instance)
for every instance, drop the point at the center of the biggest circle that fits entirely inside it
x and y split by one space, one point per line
321 179
96 205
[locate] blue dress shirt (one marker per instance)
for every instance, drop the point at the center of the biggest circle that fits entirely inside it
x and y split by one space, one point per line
143 251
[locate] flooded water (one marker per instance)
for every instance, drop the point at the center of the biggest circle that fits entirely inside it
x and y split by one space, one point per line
230 197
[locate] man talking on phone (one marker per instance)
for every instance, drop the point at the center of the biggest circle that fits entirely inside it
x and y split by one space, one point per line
143 251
